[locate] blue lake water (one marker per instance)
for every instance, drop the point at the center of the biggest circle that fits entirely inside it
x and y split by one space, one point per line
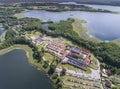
17 73
104 26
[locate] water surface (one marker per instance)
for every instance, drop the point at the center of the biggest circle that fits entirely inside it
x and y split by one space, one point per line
104 26
17 73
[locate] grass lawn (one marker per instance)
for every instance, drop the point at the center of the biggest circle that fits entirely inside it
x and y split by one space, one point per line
39 47
81 30
49 57
94 59
20 15
92 65
88 71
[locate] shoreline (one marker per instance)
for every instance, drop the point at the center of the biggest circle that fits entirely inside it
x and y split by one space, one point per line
85 10
20 15
28 52
26 48
78 27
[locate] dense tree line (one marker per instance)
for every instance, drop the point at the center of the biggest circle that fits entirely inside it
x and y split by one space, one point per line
30 24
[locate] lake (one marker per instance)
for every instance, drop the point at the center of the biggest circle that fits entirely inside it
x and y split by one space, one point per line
104 26
17 73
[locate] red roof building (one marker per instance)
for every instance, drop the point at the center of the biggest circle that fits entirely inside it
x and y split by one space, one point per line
58 48
88 60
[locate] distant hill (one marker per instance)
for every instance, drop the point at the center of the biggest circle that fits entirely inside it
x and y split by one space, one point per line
110 2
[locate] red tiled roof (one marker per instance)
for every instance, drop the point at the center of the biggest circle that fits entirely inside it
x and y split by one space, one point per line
88 60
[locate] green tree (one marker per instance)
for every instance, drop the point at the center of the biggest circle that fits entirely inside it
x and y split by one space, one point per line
63 72
52 69
46 64
54 76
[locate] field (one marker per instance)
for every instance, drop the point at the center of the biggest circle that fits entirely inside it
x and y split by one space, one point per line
49 57
19 15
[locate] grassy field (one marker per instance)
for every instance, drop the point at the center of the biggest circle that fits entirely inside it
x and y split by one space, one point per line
49 57
39 47
94 60
20 15
81 30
